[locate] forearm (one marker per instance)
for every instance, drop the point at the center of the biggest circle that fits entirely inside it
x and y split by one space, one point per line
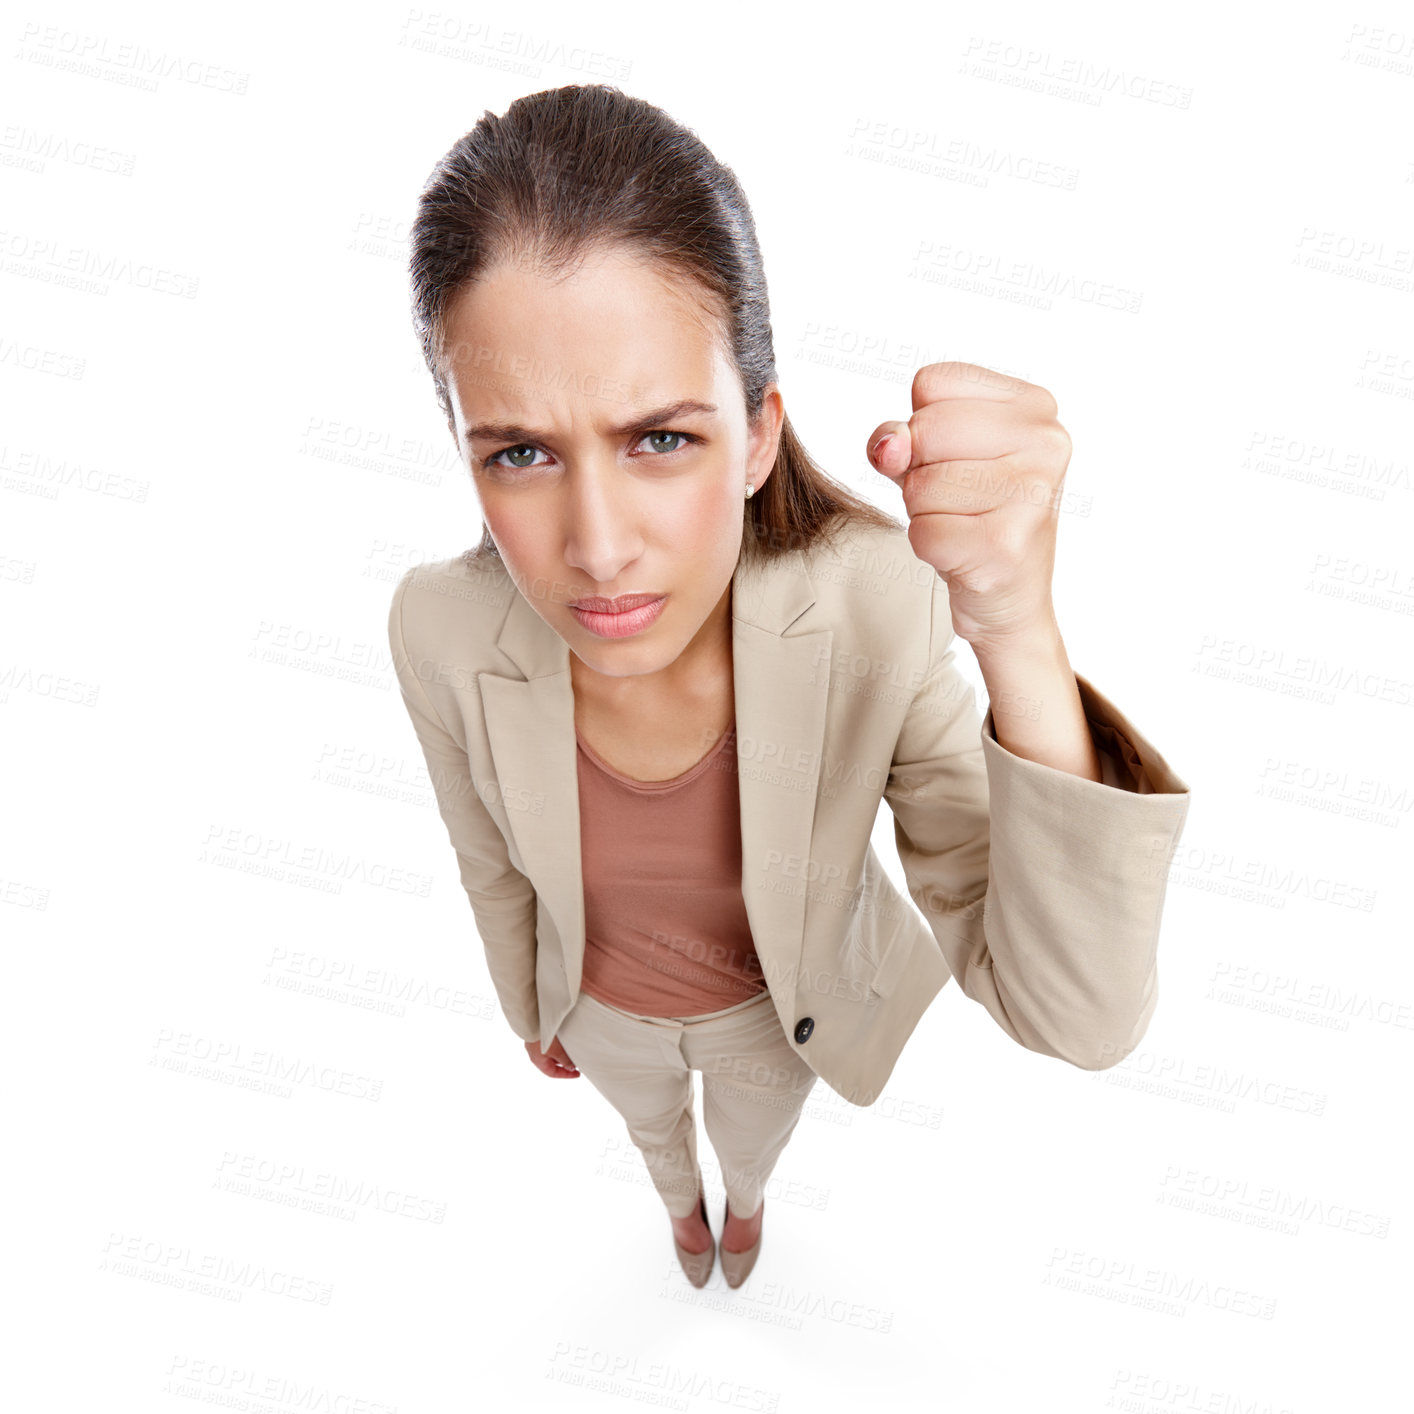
1035 704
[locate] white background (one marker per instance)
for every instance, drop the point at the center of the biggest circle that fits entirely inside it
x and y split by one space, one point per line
220 449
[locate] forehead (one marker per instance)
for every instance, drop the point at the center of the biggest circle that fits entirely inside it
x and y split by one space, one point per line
614 334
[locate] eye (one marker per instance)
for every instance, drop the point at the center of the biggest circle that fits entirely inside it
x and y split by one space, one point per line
683 437
520 457
520 449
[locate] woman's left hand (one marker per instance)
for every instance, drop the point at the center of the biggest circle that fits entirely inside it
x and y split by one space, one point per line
981 463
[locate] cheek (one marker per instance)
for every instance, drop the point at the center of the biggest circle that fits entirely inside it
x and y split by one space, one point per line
522 550
708 511
508 519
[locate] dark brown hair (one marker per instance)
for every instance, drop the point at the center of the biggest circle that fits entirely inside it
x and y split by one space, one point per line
586 165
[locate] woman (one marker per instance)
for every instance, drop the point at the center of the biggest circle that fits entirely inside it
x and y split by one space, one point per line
662 700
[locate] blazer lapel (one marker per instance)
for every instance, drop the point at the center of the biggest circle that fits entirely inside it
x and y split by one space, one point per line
780 686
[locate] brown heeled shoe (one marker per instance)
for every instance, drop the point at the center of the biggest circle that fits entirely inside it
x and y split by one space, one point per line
736 1266
697 1266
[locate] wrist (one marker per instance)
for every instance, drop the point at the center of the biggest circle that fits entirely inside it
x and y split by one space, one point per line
1037 641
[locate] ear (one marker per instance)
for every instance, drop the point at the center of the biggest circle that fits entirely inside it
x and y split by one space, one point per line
764 436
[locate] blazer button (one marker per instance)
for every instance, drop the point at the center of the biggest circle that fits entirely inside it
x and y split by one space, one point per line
803 1028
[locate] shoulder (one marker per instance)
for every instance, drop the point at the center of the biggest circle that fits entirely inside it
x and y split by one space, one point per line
457 602
870 581
879 552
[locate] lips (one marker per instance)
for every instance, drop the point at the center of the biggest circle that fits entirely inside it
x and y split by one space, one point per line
621 605
619 622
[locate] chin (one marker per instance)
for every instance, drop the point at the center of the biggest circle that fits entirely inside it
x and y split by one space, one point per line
626 658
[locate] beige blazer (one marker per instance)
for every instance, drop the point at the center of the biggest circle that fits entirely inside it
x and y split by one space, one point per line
1040 891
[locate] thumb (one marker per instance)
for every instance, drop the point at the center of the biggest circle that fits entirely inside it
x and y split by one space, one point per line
891 448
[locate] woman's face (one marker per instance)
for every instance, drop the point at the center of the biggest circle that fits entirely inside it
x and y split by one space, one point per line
607 438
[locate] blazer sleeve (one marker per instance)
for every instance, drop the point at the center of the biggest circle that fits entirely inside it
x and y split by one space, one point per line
502 898
1043 889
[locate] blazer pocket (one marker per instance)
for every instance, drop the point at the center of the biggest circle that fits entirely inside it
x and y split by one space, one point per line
894 964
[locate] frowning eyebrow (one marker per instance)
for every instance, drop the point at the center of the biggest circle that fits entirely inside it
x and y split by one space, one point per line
653 421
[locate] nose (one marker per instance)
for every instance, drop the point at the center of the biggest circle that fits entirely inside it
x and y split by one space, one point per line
600 520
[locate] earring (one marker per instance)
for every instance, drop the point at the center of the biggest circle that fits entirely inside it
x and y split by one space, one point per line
749 489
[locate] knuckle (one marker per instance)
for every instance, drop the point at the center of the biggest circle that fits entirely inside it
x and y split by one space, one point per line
1053 442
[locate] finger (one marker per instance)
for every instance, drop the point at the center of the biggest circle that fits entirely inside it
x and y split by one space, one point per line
953 544
972 488
968 429
964 429
936 381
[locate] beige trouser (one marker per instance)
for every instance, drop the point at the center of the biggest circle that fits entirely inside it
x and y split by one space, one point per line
753 1086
